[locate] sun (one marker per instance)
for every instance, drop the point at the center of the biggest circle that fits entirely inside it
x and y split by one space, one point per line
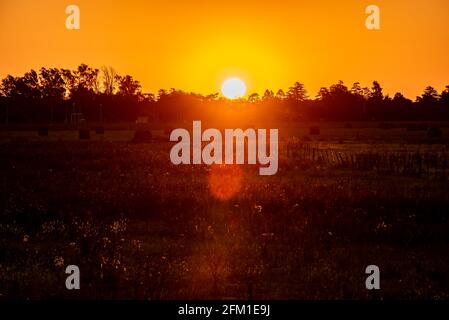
233 88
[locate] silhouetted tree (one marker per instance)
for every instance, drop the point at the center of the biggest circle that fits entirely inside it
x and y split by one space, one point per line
26 87
322 94
86 78
52 83
400 100
53 93
212 97
253 98
376 93
109 80
128 86
357 90
161 93
297 92
52 88
9 87
444 97
429 97
280 94
268 95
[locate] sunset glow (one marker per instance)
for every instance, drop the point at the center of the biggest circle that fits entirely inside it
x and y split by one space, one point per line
196 45
247 154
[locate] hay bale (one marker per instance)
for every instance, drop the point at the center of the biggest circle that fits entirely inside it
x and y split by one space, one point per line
42 132
315 131
434 133
142 136
84 134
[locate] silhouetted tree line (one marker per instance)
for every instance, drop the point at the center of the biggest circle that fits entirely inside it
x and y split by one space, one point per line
53 95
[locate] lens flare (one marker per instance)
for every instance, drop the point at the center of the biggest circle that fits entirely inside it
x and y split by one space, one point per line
225 181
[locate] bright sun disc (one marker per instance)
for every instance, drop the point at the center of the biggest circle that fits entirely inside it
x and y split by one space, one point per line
233 88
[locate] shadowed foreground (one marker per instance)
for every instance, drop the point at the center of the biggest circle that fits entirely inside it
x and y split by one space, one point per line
140 228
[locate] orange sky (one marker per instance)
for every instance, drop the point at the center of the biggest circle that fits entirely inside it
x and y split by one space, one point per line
195 44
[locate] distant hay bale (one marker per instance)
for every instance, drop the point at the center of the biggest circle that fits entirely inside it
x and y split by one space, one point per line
315 131
142 136
42 132
348 125
99 130
434 133
84 134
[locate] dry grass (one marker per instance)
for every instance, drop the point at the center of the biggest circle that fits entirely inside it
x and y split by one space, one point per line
139 227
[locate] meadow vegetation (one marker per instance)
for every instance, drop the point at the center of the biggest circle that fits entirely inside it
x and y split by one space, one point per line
140 227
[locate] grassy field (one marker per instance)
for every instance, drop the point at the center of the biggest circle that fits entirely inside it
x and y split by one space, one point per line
141 228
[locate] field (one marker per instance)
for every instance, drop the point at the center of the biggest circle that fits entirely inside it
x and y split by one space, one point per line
139 227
